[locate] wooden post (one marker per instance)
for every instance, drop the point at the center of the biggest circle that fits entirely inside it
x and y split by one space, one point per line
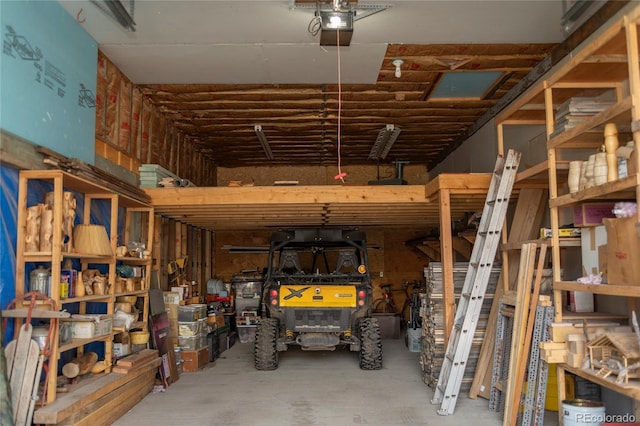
446 253
208 256
522 354
525 275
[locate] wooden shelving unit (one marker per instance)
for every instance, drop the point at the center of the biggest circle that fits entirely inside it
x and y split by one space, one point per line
607 61
90 194
144 217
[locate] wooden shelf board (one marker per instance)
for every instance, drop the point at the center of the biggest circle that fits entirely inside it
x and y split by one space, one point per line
134 260
564 242
617 190
35 313
570 242
43 256
536 170
632 389
133 293
613 290
618 113
574 316
37 256
76 343
541 171
94 298
90 257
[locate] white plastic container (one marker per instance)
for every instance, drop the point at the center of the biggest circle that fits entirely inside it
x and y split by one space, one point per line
414 341
582 412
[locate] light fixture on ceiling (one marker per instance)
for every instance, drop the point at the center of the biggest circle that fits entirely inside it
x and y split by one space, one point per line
117 11
332 22
398 63
263 141
335 16
384 142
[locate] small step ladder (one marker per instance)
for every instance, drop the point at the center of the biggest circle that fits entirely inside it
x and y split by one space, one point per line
475 284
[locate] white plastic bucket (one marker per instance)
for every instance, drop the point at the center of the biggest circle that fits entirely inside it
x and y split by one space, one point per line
413 339
582 412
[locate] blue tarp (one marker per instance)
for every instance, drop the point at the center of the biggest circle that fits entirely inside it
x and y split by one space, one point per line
9 208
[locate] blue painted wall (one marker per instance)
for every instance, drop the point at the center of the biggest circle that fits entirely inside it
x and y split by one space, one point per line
48 67
48 71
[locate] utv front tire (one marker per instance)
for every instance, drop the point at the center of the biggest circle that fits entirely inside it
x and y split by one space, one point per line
370 344
265 353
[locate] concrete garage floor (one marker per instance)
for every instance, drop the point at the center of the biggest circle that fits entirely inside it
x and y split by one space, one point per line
308 388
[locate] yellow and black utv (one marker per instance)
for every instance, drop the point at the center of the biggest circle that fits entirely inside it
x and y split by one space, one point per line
317 294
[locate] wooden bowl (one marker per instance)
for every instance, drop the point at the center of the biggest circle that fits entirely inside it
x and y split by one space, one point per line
127 299
139 337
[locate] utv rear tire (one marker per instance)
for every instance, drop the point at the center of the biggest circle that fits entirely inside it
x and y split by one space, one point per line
370 344
265 353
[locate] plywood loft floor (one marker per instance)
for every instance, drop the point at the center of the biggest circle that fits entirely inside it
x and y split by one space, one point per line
309 388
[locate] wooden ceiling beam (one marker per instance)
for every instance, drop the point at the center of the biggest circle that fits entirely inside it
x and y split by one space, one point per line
491 49
285 195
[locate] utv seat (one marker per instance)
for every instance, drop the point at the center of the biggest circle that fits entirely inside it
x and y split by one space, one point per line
289 259
346 259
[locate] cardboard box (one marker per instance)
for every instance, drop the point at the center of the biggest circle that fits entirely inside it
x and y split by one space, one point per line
591 240
602 260
121 349
195 360
581 301
623 251
591 214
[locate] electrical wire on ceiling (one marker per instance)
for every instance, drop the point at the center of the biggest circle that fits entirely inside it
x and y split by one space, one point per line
341 175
